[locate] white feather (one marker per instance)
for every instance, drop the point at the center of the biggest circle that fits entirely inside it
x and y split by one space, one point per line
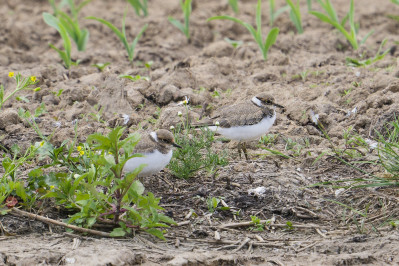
257 101
244 133
155 161
154 136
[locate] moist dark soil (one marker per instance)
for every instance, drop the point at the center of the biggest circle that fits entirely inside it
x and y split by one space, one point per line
306 73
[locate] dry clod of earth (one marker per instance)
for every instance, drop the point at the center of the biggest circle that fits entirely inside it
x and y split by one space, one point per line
298 223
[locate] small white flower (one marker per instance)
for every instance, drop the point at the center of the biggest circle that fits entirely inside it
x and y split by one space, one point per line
172 127
372 144
315 117
217 123
184 102
126 119
339 191
179 113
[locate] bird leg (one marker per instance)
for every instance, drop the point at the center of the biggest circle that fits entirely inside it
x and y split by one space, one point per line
242 146
244 149
239 149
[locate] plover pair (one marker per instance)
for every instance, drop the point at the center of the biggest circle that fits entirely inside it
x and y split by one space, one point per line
240 122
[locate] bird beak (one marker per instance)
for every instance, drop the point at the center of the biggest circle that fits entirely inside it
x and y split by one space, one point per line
176 145
279 106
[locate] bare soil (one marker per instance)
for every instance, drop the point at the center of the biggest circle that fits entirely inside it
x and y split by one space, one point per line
306 73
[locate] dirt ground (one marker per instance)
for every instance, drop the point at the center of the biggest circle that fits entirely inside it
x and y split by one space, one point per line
306 73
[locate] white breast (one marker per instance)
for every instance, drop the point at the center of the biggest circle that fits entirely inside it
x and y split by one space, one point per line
156 161
244 133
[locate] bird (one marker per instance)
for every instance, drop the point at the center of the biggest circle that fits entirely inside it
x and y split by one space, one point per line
157 150
245 121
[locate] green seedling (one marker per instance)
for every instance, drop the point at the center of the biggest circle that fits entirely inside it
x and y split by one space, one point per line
196 153
234 5
362 63
268 140
186 8
71 24
57 24
11 183
122 34
213 204
148 65
295 15
140 7
331 18
258 226
234 43
30 119
309 4
101 66
257 34
388 149
23 83
275 13
134 78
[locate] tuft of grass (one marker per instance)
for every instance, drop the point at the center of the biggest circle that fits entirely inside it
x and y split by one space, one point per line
234 5
58 25
196 153
256 34
295 15
140 7
101 66
122 34
331 18
362 63
186 8
275 13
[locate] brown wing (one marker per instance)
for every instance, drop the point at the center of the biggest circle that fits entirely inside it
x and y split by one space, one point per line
145 145
240 114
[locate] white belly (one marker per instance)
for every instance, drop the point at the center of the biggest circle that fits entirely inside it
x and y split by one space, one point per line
155 161
244 133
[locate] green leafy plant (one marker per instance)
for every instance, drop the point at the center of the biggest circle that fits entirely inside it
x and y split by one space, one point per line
234 5
122 34
196 153
258 226
134 78
23 83
213 204
71 24
95 188
331 18
362 63
57 24
295 15
234 43
101 66
31 120
186 8
257 34
275 13
140 7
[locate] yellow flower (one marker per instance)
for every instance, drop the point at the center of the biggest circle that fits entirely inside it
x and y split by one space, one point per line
81 153
52 187
41 144
33 78
79 148
11 74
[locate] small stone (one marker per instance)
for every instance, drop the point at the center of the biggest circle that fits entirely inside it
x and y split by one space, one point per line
8 117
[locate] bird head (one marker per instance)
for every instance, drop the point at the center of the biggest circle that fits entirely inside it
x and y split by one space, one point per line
264 99
165 137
